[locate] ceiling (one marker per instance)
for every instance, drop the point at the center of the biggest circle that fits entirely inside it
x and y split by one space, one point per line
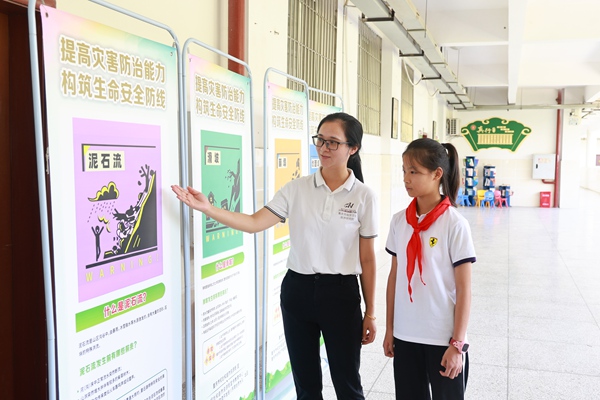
515 52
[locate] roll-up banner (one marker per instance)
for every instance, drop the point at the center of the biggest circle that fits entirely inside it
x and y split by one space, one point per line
112 120
287 155
224 258
317 111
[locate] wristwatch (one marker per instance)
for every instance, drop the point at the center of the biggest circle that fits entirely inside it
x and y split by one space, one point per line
461 346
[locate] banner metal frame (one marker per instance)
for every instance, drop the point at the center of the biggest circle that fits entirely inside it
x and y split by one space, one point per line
265 200
40 157
43 198
187 182
334 95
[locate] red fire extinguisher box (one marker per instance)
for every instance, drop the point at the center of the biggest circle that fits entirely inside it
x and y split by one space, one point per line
545 199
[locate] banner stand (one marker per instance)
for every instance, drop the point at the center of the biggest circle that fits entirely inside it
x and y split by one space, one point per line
185 181
334 95
48 279
266 198
43 198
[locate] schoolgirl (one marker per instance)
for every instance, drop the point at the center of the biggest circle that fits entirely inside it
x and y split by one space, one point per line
429 286
333 220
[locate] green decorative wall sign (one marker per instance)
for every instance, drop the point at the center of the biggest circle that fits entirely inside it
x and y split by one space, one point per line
495 132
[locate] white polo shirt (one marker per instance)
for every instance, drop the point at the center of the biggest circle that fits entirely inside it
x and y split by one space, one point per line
325 226
429 319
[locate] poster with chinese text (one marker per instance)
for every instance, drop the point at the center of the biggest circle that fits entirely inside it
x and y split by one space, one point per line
111 101
224 258
222 183
287 123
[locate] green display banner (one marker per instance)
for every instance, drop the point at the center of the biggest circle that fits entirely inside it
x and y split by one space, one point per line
222 265
222 178
281 246
495 132
109 310
225 357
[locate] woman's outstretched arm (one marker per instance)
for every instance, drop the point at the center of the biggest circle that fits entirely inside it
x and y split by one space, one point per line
257 222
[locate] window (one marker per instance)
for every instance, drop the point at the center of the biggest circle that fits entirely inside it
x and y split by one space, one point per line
407 104
369 79
312 31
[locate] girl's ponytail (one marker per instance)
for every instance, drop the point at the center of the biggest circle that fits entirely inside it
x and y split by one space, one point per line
451 179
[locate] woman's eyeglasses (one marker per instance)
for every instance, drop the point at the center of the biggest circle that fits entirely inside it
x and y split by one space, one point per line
330 144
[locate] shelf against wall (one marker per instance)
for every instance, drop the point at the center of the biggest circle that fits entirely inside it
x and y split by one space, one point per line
471 180
489 177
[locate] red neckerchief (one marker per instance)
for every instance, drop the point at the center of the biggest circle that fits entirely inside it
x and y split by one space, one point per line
414 249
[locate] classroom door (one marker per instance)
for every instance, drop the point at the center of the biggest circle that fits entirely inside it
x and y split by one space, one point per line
23 343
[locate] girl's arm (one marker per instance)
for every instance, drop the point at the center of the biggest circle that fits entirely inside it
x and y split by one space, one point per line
257 222
462 276
367 282
452 359
390 296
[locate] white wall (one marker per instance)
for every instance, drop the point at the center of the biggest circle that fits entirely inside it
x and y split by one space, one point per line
382 163
202 20
267 48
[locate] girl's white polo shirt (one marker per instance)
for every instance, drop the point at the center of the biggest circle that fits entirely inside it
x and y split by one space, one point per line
325 226
429 319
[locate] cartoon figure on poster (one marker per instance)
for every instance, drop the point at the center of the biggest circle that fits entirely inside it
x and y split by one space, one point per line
136 229
117 202
221 179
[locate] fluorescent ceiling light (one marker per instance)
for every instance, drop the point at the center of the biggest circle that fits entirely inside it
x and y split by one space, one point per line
440 85
398 36
450 97
434 55
445 72
425 68
457 87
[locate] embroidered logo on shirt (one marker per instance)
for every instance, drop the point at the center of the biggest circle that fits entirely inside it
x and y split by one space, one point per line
347 212
432 241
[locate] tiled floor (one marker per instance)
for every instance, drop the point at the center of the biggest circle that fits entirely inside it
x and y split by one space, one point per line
535 319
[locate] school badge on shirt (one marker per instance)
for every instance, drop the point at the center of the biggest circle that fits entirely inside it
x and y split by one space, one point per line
432 241
348 212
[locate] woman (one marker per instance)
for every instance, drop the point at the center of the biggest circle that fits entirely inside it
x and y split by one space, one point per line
333 223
